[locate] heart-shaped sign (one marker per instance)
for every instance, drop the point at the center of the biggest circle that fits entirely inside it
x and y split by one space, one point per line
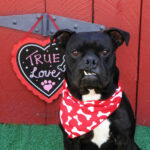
40 66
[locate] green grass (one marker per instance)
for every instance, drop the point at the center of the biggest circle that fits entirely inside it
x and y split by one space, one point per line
142 137
33 137
49 137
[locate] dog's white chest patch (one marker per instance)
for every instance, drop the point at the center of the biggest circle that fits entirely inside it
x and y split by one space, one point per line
91 96
101 132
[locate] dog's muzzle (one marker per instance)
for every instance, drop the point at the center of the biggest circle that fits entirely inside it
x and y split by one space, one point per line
89 80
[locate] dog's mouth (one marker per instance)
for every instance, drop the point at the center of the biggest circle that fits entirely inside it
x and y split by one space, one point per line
89 73
89 80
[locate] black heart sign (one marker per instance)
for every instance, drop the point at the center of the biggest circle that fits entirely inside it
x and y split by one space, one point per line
40 66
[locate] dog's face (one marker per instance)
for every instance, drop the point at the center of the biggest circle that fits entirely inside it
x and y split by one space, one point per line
90 57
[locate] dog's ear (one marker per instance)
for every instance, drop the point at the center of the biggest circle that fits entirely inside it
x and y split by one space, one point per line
61 37
118 36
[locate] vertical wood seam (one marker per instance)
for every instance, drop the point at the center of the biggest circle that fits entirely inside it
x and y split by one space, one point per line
138 63
93 11
46 105
45 6
46 114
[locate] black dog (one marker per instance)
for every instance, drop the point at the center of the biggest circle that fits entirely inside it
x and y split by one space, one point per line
91 65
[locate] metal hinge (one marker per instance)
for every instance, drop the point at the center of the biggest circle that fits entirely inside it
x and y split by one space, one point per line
46 27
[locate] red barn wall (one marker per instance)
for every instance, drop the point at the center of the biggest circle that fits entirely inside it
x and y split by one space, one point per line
18 105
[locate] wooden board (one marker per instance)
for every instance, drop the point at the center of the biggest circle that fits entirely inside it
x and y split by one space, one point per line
143 112
21 7
17 104
123 14
20 105
75 9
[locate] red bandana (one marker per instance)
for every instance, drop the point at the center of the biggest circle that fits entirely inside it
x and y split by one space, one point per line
79 117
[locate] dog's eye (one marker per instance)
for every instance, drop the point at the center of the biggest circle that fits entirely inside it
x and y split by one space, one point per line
75 53
105 52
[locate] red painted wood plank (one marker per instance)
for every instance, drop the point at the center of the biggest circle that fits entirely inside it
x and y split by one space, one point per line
52 110
123 14
75 9
17 104
21 7
143 112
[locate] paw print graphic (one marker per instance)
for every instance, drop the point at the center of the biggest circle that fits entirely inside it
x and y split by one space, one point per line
47 85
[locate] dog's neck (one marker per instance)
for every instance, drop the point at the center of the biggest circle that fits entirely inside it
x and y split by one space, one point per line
92 95
109 91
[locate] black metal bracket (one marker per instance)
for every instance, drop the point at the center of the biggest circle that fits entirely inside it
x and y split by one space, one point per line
46 27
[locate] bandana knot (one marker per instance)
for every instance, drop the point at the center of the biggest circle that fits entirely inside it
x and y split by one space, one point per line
80 117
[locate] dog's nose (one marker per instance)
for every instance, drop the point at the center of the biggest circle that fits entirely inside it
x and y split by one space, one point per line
90 62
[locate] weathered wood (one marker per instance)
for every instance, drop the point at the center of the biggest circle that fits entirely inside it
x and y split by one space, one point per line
17 104
143 111
21 7
75 9
123 14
